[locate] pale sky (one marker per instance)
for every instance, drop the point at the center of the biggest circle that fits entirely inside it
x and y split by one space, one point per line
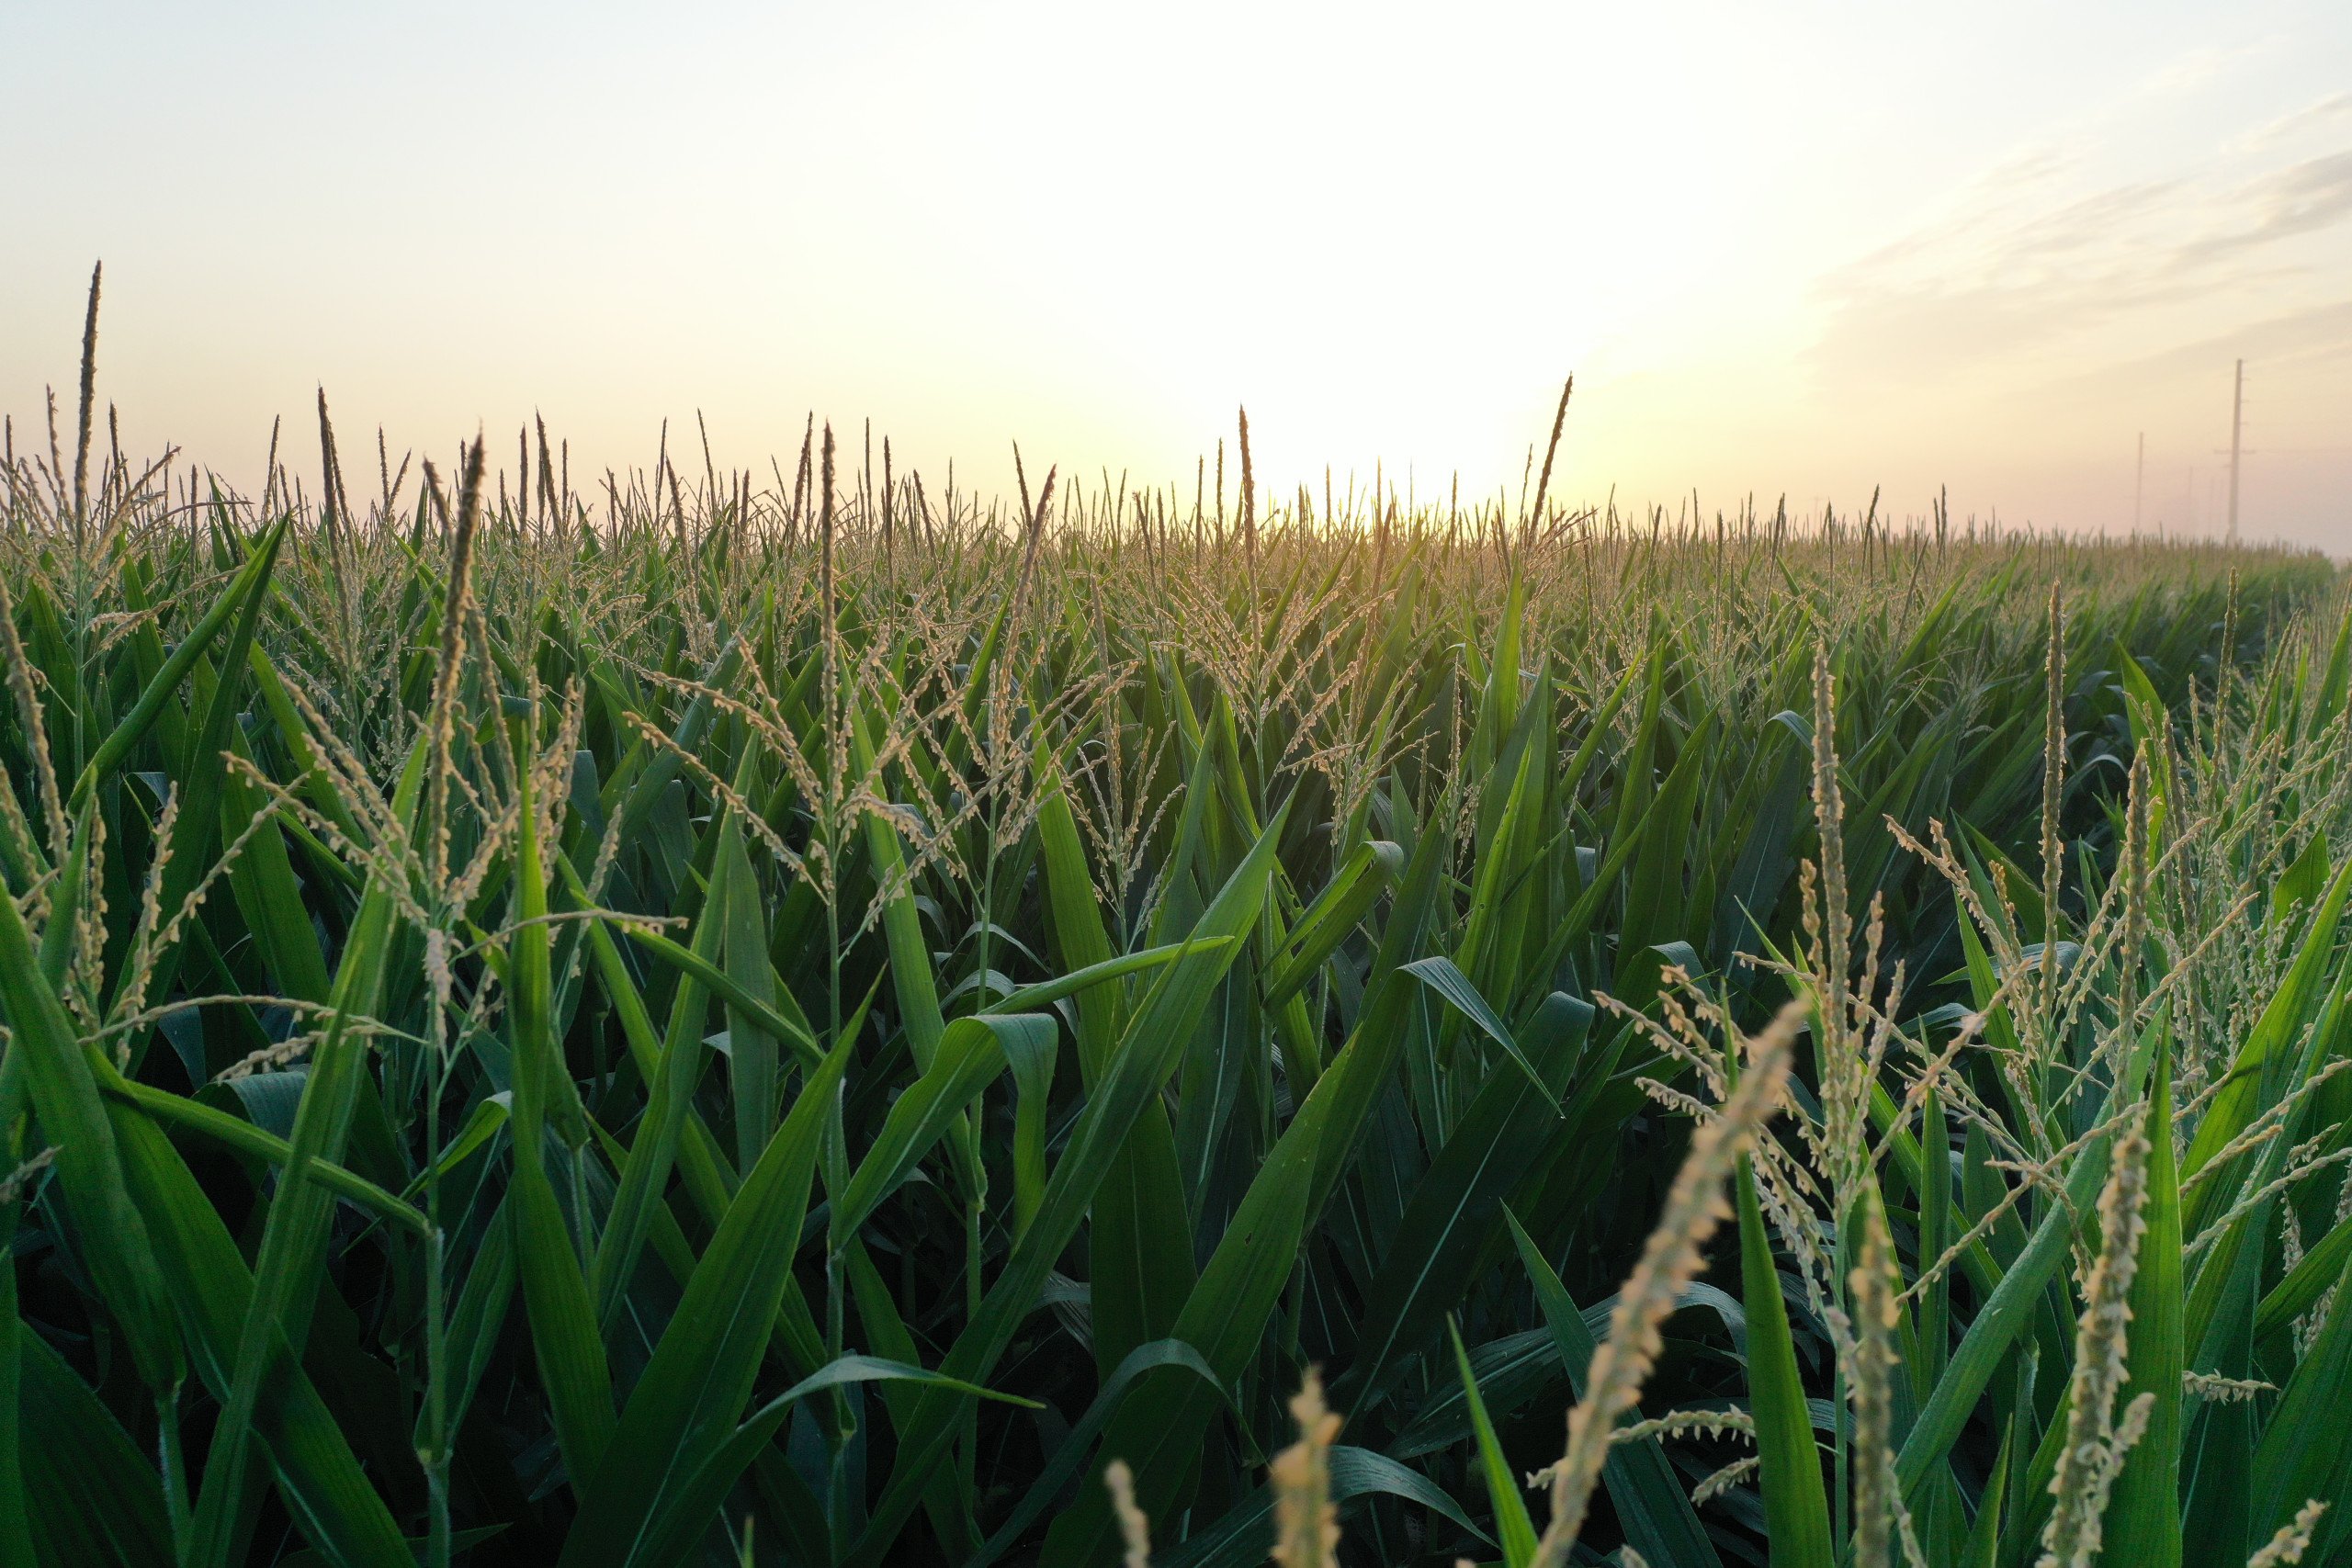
1803 248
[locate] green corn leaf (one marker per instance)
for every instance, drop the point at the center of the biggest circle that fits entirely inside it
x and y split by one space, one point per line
686 1406
2302 1455
671 1076
1158 1429
287 1274
1458 1206
2241 1097
2143 1522
242 599
2217 1447
1356 1077
268 895
972 1053
211 1289
482 1123
1030 1053
751 1061
1445 977
708 1178
690 1510
767 1013
1336 912
16 1502
1512 1525
1997 1324
261 1143
1651 1504
95 1498
1075 920
1074 1448
1984 1546
1137 1284
910 971
636 785
1239 1540
2305 1283
480 1310
1145 1055
207 787
58 1074
949 1502
1797 1510
1045 993
556 1292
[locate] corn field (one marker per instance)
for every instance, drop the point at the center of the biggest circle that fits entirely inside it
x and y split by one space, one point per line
694 1020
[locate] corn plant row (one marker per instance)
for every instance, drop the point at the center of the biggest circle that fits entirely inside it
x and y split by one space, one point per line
708 1021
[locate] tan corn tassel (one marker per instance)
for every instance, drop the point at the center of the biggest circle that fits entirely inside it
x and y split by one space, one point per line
2292 1541
1674 1254
1307 1524
1135 1530
1876 1315
2096 1440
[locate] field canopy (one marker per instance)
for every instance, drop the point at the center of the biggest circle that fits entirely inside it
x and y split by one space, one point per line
713 1022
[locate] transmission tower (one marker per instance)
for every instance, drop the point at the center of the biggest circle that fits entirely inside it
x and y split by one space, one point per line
2237 451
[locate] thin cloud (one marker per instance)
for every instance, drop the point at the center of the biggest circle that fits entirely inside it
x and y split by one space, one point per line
2199 66
2325 113
2317 331
2017 274
2301 199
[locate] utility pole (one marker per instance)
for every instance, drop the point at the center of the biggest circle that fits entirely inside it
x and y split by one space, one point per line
2237 426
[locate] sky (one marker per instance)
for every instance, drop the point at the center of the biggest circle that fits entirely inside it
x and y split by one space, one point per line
1808 249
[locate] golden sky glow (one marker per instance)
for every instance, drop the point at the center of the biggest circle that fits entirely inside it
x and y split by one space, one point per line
1807 248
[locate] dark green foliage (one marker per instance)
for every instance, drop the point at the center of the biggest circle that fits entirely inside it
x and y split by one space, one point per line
754 1046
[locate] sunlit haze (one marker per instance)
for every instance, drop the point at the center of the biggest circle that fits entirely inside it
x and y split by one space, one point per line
1800 249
